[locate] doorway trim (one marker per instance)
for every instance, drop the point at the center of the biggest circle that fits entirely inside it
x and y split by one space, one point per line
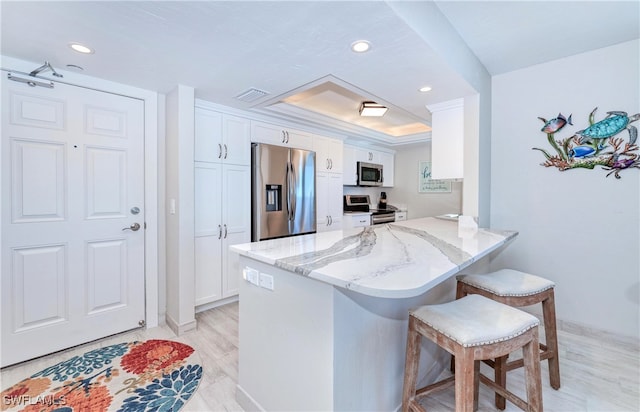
154 272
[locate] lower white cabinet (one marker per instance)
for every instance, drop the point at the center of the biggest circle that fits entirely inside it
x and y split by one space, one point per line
350 220
222 218
328 201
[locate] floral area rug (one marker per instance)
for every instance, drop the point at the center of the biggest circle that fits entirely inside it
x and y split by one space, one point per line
154 375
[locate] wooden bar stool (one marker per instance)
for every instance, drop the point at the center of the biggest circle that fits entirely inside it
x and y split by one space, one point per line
473 328
517 289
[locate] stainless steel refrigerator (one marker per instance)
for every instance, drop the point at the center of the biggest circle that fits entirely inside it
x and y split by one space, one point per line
283 184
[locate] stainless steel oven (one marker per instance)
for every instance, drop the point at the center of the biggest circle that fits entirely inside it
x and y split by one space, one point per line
379 217
360 203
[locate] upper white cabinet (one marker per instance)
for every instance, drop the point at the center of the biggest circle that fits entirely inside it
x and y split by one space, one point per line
447 139
349 166
221 138
328 154
386 160
353 154
281 136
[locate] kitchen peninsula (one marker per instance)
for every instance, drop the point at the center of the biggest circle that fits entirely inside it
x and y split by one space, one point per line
323 317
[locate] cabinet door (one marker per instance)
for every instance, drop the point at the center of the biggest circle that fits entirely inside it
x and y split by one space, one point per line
320 146
236 212
334 200
349 169
281 136
387 162
298 139
208 136
236 140
322 201
208 232
267 133
335 153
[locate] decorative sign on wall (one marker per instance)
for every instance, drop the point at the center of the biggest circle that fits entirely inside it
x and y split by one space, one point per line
428 185
595 145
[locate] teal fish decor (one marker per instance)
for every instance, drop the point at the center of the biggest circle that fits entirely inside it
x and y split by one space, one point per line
595 145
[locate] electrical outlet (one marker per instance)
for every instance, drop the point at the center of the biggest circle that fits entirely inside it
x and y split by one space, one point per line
251 275
266 281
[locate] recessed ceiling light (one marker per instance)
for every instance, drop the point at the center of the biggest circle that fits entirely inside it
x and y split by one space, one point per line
360 46
425 88
81 48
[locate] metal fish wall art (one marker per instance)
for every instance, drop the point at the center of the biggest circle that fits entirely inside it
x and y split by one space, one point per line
595 145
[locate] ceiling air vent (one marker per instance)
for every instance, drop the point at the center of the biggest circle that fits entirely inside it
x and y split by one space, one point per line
251 95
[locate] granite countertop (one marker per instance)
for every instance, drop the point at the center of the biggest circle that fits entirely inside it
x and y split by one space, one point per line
394 260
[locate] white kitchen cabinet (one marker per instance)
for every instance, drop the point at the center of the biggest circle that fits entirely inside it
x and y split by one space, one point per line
400 216
447 139
280 136
350 220
222 201
386 160
349 166
328 201
328 154
222 218
221 138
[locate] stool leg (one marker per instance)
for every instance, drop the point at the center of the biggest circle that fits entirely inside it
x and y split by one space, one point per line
412 362
466 380
500 369
461 291
533 381
551 338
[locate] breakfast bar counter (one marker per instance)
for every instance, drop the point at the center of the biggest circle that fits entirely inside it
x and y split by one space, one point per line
323 317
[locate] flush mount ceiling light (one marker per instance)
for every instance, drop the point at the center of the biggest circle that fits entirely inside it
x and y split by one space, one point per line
425 89
372 109
360 46
81 48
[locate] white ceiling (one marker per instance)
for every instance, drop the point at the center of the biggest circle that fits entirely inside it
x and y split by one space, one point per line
223 48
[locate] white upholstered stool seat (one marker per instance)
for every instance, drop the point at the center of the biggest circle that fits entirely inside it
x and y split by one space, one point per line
517 289
508 282
473 328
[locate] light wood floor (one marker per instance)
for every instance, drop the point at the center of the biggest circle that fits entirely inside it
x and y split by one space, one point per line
598 373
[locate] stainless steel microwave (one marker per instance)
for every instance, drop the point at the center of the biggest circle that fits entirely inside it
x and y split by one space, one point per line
369 174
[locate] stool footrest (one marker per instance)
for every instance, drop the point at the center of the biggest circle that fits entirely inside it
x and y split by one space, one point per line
510 396
435 387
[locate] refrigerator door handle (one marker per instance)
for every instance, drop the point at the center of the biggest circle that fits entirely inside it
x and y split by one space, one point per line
288 182
292 192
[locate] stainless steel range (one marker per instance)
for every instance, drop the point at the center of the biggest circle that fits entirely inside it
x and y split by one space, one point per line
361 203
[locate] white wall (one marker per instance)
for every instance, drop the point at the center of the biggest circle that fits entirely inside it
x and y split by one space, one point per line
406 186
577 227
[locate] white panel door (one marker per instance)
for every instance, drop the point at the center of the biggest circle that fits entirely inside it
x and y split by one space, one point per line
72 178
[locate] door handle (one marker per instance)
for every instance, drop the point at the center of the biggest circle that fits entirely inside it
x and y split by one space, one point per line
225 151
219 151
225 231
134 227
